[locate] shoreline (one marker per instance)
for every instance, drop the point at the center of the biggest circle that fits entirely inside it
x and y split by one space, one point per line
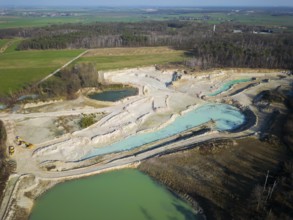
38 190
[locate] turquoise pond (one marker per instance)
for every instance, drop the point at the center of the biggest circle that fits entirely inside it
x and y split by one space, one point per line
226 117
118 195
228 85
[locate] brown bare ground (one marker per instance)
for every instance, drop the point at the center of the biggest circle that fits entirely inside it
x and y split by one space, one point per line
221 177
130 51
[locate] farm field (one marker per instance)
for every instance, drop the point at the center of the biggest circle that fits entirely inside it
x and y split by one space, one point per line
263 19
9 45
214 16
28 21
3 42
19 21
117 58
19 68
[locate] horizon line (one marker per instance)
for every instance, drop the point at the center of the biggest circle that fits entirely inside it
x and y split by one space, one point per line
163 6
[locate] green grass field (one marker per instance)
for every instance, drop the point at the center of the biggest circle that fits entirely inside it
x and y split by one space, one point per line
263 19
10 45
3 42
118 58
18 21
20 68
132 15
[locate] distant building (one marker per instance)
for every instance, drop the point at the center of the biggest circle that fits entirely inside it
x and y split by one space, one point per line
263 32
237 31
266 31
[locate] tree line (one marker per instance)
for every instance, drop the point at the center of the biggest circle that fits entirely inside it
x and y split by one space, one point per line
4 169
112 35
179 34
209 49
243 50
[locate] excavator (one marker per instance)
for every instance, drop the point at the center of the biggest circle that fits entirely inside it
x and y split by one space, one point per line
21 142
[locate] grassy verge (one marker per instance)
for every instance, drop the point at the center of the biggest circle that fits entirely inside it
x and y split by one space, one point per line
117 58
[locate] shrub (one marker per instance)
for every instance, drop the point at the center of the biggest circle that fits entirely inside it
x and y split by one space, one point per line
86 121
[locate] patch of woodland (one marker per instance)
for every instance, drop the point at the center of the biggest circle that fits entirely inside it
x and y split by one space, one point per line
6 166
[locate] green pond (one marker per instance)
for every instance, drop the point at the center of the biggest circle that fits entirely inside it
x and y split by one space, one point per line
118 195
114 95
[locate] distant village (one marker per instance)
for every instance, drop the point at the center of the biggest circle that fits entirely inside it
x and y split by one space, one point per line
5 12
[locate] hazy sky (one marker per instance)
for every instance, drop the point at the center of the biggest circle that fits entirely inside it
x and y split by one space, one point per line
148 2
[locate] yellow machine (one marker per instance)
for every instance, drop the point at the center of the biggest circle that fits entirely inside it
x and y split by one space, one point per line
21 142
11 150
29 145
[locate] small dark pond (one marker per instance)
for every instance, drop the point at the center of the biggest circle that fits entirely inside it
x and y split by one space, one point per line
114 94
